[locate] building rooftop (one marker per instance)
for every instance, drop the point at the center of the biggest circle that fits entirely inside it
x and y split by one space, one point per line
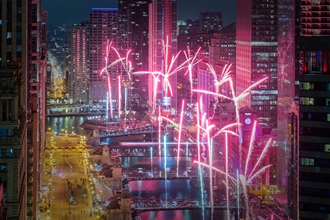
229 29
247 109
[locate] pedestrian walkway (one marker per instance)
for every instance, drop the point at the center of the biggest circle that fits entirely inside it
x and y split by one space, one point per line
69 197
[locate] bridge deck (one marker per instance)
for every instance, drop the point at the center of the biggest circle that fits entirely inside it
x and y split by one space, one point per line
156 204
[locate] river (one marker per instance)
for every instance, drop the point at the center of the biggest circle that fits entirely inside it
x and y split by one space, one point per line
69 123
157 189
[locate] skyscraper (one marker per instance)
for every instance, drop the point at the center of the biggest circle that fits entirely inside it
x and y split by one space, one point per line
223 44
193 41
223 47
36 88
265 48
133 22
79 63
103 27
313 65
210 21
24 53
314 128
162 27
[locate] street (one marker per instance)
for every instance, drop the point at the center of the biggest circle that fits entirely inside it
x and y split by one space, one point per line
68 166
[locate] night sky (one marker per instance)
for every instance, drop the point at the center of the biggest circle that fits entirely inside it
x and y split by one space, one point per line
75 11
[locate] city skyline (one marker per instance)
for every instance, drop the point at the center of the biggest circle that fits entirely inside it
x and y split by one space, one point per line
187 9
165 109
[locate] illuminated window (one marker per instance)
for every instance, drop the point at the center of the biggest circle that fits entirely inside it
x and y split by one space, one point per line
327 102
9 152
306 162
306 101
327 148
306 86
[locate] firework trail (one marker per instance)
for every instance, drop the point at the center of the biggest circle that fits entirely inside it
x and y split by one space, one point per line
191 62
246 178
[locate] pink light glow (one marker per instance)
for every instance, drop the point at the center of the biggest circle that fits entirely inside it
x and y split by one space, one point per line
191 63
169 120
119 94
246 91
110 97
168 68
227 184
223 130
105 70
127 64
216 169
261 156
199 158
210 93
224 77
159 140
251 146
156 76
209 143
179 141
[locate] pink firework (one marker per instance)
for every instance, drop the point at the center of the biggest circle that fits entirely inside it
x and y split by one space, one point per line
224 77
246 178
127 65
119 95
179 139
105 70
159 140
191 63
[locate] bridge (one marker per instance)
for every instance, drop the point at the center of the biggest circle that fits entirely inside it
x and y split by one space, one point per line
146 151
130 174
127 133
74 114
156 204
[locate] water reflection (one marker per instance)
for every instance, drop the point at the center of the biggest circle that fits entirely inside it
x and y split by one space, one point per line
69 123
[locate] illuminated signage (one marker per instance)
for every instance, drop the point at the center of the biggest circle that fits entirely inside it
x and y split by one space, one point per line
247 121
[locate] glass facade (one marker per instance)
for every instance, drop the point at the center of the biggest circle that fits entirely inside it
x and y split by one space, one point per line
314 128
264 48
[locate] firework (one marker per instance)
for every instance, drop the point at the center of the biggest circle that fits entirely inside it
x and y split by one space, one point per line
191 62
245 179
224 77
119 95
179 139
105 70
159 140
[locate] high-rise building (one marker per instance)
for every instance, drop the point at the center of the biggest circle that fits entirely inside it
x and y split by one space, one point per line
133 22
103 28
293 172
162 29
265 48
11 145
78 82
223 47
194 41
36 100
205 81
223 44
210 21
24 52
314 21
314 128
